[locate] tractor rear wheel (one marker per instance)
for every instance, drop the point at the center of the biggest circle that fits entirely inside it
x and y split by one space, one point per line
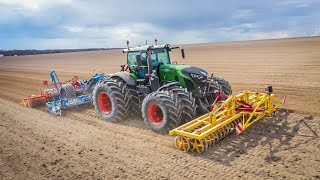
111 100
161 112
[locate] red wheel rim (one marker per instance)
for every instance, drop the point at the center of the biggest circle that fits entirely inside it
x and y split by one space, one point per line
104 103
155 114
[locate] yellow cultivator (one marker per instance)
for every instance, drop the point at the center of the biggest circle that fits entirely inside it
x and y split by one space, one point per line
235 114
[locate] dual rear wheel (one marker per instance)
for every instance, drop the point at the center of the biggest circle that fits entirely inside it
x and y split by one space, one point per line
161 110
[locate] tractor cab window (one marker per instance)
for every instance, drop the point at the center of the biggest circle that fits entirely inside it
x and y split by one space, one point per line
157 55
132 58
160 55
132 61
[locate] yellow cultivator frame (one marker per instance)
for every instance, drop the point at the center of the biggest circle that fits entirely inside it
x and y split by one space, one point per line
235 114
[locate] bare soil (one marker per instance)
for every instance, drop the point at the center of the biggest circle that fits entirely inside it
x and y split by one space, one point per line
78 145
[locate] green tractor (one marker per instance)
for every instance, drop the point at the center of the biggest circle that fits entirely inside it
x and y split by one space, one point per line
165 94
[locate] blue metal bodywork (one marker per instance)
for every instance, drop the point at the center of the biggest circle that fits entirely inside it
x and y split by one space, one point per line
86 85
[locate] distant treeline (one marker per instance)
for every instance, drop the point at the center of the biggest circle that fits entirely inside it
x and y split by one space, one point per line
47 51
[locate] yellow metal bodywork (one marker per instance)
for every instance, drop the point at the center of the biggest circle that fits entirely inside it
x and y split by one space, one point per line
225 116
24 103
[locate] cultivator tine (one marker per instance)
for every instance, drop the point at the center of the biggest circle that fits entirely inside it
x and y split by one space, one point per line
235 114
208 141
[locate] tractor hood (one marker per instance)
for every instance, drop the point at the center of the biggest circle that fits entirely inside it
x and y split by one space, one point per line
194 72
185 69
189 77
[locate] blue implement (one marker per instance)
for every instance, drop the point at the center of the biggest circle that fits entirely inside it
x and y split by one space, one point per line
61 101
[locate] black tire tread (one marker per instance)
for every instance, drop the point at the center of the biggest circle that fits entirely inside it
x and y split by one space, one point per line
188 102
69 89
120 91
135 103
174 110
223 84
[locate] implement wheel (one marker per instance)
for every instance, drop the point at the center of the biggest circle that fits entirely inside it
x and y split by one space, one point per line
161 112
197 145
182 143
67 91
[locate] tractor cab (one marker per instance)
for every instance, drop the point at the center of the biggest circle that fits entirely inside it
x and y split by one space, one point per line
137 59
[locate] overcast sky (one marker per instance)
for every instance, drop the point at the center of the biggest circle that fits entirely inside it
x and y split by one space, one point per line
48 24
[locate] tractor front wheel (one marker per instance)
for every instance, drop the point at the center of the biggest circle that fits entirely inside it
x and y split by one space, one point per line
161 112
217 84
224 85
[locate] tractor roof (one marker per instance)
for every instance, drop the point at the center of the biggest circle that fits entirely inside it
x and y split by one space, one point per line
146 47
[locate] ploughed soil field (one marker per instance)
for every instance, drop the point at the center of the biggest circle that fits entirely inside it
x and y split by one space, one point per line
79 145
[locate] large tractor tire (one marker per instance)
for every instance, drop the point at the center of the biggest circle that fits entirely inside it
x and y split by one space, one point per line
161 112
218 85
213 89
224 85
188 102
67 91
189 106
135 103
111 100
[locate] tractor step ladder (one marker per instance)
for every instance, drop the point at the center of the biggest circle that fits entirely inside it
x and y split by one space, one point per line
235 114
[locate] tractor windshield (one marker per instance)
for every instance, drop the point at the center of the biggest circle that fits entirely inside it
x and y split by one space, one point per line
132 58
160 55
156 56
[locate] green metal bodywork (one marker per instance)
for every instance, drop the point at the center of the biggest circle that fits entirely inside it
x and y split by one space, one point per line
173 72
134 76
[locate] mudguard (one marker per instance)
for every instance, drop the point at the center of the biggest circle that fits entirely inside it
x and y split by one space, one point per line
126 77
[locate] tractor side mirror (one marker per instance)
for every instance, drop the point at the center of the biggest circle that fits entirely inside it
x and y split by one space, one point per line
182 53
